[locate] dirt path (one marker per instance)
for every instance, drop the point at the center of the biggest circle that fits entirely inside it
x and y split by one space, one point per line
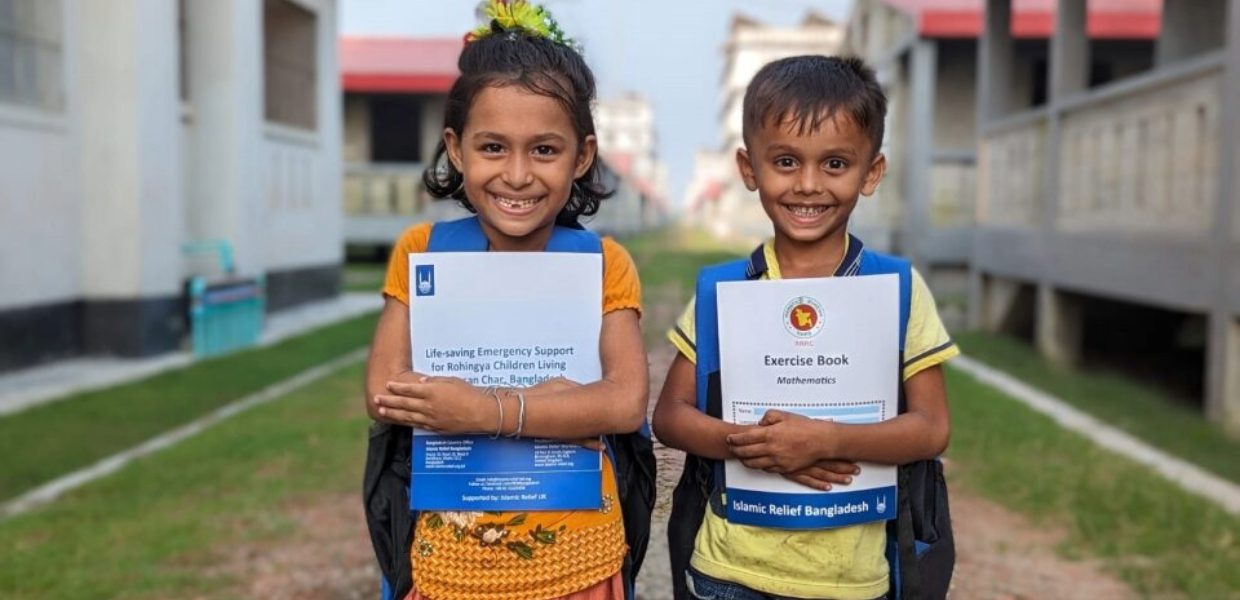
1001 555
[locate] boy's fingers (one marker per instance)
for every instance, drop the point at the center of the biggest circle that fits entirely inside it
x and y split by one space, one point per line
808 481
839 466
756 435
825 475
749 451
764 463
772 417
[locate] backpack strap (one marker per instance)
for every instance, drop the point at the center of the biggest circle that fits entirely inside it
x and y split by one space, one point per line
706 321
466 235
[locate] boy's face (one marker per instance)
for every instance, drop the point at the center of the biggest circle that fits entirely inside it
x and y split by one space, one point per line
809 181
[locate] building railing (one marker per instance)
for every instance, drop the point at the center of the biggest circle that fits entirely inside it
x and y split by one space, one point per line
1011 156
953 192
384 189
1140 155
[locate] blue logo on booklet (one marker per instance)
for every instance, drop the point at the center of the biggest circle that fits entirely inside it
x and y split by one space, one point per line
425 276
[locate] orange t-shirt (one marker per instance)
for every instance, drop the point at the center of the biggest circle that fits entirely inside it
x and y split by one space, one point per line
515 555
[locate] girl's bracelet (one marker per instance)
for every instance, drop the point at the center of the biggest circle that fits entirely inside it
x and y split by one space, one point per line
520 415
499 424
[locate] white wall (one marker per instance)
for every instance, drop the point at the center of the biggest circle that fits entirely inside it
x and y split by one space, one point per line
39 217
96 199
302 170
130 149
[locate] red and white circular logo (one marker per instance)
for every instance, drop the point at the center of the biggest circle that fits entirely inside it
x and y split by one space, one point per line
803 317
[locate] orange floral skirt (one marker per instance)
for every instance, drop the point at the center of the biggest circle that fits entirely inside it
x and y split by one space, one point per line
611 588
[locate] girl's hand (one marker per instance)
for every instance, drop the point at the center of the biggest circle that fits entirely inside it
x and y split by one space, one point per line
555 384
445 405
822 474
783 443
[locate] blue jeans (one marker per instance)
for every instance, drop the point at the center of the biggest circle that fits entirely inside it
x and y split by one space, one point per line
705 587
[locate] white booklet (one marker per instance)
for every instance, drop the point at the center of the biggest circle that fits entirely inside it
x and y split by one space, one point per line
823 348
509 319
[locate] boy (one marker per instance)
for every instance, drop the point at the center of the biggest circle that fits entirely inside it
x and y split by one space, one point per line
813 127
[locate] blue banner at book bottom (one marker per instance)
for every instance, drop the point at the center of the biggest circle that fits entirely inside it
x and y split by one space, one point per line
810 511
477 473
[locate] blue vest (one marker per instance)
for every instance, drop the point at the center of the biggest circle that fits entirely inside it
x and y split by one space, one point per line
858 261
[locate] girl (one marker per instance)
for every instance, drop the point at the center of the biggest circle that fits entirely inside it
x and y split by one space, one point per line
518 150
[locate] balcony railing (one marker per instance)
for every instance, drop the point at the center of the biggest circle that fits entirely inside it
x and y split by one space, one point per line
1138 156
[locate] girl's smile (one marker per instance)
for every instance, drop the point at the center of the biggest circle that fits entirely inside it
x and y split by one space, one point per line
518 154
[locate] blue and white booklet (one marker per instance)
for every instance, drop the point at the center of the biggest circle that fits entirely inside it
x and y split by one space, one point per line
509 319
821 348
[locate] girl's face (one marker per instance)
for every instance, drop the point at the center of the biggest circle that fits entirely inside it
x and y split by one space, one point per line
519 155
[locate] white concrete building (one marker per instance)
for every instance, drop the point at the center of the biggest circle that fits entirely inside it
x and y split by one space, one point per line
1107 214
736 212
627 144
131 127
925 56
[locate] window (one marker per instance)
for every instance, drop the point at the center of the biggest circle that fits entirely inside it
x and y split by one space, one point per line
31 64
183 50
289 61
395 128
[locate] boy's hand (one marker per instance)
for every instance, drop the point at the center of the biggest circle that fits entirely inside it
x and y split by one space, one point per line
783 443
822 474
446 405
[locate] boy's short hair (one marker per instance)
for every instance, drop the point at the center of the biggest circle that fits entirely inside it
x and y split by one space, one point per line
810 90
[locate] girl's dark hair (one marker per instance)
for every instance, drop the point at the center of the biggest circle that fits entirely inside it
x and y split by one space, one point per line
537 64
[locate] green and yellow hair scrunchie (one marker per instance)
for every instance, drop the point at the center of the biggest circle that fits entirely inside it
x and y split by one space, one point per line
519 16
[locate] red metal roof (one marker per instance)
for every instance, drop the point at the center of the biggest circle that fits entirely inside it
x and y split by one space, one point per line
410 65
1108 19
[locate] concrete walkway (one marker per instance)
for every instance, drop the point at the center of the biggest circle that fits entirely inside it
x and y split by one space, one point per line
39 385
1186 475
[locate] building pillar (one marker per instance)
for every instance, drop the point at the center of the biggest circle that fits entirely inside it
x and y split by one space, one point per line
1060 327
226 199
995 58
923 77
1223 350
1059 320
1189 28
1069 51
131 173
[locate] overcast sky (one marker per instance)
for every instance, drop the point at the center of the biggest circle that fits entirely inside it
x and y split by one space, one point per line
667 50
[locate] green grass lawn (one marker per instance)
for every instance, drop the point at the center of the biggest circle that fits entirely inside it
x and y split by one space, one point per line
364 276
668 260
1138 409
162 526
50 440
1159 538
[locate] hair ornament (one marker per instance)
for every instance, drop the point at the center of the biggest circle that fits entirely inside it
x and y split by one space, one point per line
519 17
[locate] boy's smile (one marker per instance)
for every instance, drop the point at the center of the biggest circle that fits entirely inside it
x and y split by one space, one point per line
809 179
